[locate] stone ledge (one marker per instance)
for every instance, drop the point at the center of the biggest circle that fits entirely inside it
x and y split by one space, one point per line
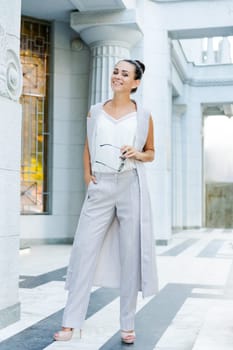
9 315
25 243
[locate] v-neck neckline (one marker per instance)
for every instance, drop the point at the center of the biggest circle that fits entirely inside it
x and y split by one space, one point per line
123 116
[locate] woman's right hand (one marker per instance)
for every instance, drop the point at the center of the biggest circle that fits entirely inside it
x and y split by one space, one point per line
88 178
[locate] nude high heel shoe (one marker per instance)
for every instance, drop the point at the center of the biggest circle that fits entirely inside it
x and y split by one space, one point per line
128 337
65 335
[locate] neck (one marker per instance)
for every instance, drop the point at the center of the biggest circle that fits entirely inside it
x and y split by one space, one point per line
120 100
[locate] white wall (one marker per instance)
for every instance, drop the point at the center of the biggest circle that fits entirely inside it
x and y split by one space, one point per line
10 138
70 75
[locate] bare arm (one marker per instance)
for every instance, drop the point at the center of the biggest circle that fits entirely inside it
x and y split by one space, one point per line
88 177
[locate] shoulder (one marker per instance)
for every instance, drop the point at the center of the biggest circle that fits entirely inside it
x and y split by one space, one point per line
94 109
96 106
145 112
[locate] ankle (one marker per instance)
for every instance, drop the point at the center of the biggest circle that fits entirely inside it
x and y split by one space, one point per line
67 329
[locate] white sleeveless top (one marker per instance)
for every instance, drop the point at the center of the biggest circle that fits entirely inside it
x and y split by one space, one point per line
111 135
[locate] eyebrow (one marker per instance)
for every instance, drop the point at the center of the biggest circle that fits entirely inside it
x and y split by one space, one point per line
123 70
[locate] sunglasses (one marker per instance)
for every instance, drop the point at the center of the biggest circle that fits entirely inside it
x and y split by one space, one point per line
123 159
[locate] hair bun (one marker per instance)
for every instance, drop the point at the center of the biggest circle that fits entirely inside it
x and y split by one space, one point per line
142 65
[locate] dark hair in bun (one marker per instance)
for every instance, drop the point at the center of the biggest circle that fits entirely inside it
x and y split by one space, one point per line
139 70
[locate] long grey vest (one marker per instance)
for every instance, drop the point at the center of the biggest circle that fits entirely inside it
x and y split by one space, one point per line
108 267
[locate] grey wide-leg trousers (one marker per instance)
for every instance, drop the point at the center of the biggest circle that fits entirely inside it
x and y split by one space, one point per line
113 195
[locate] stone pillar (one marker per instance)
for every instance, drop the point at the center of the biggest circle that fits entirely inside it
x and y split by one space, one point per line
177 166
110 40
225 51
210 52
104 56
193 164
10 152
157 96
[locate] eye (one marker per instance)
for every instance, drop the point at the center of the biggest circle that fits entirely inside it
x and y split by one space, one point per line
115 71
125 74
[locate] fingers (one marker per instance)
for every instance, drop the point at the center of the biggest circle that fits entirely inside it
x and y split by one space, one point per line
124 149
93 179
131 153
90 178
128 151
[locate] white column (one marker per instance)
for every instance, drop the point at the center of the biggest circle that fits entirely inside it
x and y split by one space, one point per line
225 51
104 56
177 167
109 40
157 96
10 147
193 165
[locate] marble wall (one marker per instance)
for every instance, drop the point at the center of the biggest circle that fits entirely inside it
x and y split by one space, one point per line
10 146
68 109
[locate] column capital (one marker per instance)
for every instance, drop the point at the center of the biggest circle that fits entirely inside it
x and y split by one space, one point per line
179 109
103 58
119 27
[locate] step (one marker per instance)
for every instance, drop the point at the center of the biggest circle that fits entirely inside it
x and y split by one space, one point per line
184 328
217 329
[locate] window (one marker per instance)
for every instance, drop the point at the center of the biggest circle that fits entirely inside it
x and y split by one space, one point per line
34 52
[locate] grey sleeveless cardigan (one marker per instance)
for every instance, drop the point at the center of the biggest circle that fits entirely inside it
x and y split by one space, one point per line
108 267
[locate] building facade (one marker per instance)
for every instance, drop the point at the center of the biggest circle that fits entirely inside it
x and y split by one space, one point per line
55 63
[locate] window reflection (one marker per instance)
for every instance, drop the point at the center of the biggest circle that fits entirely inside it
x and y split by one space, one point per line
34 59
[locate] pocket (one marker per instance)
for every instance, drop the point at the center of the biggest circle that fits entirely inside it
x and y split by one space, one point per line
91 189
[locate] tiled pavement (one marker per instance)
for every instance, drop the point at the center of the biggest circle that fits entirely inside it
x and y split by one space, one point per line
193 310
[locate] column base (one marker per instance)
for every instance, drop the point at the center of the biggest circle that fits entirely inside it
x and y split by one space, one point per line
27 243
192 227
162 242
9 315
176 229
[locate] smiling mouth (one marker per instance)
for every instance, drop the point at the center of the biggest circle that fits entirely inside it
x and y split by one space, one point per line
116 83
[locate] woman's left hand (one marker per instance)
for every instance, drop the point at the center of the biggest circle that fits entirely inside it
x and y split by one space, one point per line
148 152
129 152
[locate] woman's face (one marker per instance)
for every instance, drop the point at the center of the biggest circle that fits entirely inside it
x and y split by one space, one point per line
123 77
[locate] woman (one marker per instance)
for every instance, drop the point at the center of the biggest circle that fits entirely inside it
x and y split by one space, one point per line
114 245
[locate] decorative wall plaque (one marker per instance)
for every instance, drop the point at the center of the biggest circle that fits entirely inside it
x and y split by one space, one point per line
10 69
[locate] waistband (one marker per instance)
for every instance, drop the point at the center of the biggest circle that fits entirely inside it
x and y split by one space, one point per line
111 175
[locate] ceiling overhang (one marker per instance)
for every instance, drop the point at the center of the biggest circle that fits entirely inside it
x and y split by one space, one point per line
115 26
46 10
101 5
